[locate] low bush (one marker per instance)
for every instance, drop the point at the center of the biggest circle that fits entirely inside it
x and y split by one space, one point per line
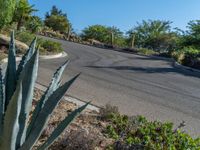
46 46
25 37
51 46
187 56
178 56
146 51
107 111
138 133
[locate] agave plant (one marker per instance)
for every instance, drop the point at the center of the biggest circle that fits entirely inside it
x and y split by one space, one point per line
19 131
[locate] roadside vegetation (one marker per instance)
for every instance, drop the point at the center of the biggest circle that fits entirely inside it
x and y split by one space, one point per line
26 26
121 132
137 132
47 47
148 37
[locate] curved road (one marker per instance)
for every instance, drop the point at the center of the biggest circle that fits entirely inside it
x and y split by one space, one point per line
138 85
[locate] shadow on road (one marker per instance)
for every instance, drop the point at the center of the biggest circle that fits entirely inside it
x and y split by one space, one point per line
149 70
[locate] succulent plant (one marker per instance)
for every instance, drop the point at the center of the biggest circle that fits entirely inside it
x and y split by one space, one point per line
19 131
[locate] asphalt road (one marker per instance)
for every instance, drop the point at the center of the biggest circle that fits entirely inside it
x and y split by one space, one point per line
138 85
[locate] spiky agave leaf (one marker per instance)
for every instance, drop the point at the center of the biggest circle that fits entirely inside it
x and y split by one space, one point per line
45 113
26 56
11 124
10 78
2 101
28 77
52 87
61 127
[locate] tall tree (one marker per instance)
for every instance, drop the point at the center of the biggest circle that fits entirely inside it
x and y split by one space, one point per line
35 24
55 11
153 34
7 8
191 38
108 35
97 32
57 20
23 13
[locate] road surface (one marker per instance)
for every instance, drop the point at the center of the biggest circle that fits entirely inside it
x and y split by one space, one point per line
138 85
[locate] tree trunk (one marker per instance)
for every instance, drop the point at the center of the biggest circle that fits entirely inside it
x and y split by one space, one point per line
19 23
133 42
68 33
112 38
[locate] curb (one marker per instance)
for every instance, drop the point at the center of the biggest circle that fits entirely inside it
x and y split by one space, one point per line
59 55
179 66
43 57
68 98
5 60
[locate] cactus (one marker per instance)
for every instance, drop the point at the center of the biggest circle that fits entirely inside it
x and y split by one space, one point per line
17 131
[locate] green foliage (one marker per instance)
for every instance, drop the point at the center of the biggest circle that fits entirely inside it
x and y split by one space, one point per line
187 56
146 51
46 46
191 52
104 35
17 130
153 34
133 132
52 47
35 24
57 20
97 32
23 13
25 37
7 8
191 38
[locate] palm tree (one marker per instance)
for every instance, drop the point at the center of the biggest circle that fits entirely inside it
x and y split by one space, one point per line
152 34
23 13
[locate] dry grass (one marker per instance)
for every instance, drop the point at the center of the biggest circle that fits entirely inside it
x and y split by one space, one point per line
85 133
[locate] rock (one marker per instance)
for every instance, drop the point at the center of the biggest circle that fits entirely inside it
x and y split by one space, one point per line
4 40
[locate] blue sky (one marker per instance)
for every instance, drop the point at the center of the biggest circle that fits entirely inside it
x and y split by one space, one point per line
122 13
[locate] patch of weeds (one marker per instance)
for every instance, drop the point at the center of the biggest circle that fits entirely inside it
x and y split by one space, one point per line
107 111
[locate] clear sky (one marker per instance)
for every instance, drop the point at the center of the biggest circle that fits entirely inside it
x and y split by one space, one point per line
122 13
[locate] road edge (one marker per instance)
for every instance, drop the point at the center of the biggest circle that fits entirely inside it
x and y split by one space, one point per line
43 57
179 66
69 98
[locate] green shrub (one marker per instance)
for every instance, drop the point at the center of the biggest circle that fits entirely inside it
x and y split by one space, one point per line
135 132
146 51
46 46
51 47
178 56
191 52
187 56
25 37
